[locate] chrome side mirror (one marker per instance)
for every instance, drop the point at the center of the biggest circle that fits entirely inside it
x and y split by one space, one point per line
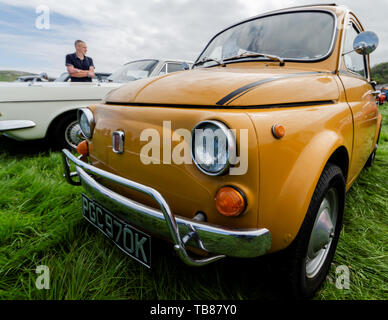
366 42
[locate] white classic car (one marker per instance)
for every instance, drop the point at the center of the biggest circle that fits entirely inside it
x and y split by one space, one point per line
37 110
99 77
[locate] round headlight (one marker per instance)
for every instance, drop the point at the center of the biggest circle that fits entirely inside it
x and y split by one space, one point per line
86 121
213 147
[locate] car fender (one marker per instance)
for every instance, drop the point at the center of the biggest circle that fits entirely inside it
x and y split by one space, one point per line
284 204
43 117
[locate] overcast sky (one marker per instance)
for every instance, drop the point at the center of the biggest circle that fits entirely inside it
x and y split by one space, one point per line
118 31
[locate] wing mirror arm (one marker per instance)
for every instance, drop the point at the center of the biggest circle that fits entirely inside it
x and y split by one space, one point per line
355 49
365 43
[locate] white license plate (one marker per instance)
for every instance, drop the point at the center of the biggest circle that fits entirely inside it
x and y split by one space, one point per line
133 242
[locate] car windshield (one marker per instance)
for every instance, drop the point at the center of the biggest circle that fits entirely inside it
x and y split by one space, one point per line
304 35
133 71
63 77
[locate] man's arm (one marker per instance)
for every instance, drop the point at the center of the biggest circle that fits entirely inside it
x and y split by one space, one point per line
91 72
77 73
73 72
91 68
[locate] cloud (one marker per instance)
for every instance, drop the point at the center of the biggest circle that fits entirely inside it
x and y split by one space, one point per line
122 31
119 31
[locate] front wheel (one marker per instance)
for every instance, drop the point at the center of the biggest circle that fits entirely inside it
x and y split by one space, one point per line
371 160
306 262
67 132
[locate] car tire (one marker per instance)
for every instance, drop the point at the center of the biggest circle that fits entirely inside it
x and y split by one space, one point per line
67 133
371 160
304 265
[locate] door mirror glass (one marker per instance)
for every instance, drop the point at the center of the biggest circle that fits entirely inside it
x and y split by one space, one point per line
366 42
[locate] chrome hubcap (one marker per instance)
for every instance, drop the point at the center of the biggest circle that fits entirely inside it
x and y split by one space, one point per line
322 233
373 157
73 134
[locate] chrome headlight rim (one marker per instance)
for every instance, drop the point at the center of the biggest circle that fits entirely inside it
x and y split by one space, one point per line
231 146
90 118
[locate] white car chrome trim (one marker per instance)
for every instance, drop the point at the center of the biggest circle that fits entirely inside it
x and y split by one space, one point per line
7 125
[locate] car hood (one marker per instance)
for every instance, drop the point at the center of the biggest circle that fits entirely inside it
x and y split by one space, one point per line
229 86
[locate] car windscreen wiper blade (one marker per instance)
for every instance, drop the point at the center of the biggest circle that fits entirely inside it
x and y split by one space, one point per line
256 54
204 60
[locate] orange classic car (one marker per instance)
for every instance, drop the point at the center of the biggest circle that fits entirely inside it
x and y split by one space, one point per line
214 160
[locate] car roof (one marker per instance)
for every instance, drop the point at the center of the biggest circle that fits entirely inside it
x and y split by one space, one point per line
337 9
318 6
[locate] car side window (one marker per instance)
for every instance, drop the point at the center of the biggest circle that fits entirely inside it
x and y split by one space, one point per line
353 61
163 70
173 67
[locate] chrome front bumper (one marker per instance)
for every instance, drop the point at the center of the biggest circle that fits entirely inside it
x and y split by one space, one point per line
218 241
7 125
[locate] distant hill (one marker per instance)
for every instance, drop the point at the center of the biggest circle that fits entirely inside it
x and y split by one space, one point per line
10 75
379 73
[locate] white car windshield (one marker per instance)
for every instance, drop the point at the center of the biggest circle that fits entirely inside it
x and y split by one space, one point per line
301 36
63 77
133 71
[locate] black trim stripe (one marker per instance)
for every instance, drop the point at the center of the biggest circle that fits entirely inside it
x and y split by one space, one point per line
187 106
243 90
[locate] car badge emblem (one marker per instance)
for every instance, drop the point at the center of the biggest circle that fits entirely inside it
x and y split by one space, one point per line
118 142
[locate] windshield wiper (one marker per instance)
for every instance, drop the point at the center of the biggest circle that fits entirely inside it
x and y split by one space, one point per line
204 60
256 54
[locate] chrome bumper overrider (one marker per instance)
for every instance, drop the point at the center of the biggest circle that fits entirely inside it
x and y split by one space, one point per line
218 241
7 125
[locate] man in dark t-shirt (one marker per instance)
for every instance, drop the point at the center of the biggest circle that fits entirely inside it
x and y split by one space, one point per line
79 66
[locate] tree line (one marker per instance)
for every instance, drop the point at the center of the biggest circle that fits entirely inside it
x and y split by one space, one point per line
379 73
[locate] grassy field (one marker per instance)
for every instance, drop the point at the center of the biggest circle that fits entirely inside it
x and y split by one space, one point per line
41 224
8 75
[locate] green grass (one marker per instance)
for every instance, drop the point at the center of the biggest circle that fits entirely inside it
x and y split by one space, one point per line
41 224
8 75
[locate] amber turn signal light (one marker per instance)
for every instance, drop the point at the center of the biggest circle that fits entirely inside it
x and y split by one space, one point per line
278 131
83 148
230 202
